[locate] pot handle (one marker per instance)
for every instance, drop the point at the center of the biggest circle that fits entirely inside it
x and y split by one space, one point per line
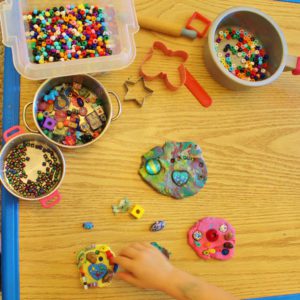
51 200
24 118
16 129
114 118
293 64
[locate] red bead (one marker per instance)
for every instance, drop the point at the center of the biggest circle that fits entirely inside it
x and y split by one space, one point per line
109 254
212 235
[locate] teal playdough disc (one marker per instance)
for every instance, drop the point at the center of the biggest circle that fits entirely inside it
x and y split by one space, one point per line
176 169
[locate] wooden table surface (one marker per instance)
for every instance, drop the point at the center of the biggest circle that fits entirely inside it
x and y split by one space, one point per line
251 143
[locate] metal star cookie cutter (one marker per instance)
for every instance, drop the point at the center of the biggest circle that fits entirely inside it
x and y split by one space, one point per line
146 89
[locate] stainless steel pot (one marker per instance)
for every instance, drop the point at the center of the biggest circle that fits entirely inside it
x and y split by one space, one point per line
90 83
269 33
13 137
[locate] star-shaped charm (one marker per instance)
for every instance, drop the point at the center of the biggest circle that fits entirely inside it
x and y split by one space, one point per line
130 86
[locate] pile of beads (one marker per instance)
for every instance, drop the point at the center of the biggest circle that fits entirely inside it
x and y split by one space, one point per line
242 54
67 33
71 114
32 182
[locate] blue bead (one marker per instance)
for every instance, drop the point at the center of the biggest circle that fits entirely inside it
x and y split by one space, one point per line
116 267
88 225
157 226
225 252
153 166
180 177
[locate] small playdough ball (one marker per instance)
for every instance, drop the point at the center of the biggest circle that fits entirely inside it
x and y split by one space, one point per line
212 238
40 116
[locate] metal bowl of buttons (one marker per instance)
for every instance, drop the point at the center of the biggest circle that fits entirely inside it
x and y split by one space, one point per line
31 167
72 111
246 48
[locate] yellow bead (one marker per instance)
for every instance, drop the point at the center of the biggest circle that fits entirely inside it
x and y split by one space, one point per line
137 211
60 125
213 251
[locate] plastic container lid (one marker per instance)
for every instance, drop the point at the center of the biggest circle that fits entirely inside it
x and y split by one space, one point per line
122 25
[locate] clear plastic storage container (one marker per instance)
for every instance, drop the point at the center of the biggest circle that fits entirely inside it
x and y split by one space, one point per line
122 26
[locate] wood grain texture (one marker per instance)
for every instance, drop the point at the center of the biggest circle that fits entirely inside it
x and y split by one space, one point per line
251 143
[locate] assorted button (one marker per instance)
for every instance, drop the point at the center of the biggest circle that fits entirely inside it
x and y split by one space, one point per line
223 228
197 235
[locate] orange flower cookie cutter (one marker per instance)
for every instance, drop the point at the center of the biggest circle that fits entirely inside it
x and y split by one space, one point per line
185 77
162 75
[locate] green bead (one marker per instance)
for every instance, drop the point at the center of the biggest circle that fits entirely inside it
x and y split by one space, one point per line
197 243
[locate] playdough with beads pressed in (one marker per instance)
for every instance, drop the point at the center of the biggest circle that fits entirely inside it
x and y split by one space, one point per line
96 266
212 238
176 169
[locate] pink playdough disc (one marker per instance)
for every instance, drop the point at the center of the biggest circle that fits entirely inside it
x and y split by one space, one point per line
212 238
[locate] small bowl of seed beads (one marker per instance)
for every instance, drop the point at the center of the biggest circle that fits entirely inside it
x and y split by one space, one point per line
245 48
32 168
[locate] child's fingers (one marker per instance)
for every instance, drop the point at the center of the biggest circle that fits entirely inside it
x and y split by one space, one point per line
124 262
148 245
129 252
128 278
138 246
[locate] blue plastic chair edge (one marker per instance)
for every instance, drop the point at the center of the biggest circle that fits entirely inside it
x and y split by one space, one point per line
10 204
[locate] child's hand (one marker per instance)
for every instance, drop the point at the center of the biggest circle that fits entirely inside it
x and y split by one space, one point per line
144 265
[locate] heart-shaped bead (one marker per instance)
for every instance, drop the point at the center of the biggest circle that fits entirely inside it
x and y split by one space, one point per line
180 177
97 271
